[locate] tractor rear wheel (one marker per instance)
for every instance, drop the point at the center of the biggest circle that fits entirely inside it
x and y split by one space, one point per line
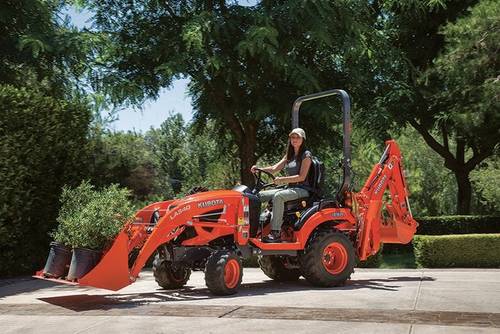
169 276
274 267
223 273
328 260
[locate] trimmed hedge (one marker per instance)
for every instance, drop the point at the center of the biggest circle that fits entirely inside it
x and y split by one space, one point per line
373 261
43 144
444 225
468 250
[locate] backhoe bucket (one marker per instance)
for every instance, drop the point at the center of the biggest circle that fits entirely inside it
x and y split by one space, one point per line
112 271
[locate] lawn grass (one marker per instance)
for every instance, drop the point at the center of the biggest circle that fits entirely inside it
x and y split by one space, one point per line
398 261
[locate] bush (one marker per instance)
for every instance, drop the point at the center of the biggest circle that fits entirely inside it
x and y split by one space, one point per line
373 261
90 218
468 250
444 225
42 147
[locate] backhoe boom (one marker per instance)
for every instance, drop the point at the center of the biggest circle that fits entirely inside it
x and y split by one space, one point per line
374 227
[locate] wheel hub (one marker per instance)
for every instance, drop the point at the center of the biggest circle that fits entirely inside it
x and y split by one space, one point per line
231 273
334 258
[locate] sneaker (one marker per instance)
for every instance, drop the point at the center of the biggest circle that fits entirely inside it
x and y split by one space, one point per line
273 237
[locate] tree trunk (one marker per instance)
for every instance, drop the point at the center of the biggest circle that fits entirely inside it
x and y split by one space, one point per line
456 163
247 158
247 148
464 192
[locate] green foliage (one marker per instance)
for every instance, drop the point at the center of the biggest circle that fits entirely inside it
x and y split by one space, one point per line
168 144
468 73
398 260
486 180
468 250
432 188
125 159
42 147
187 157
373 261
458 225
246 63
92 218
40 47
442 75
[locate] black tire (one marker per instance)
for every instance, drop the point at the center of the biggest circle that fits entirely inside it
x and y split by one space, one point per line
167 276
215 269
274 267
312 260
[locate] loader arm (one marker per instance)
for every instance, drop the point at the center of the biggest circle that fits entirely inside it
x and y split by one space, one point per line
119 267
395 224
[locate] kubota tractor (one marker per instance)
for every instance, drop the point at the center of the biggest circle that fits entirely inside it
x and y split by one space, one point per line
213 230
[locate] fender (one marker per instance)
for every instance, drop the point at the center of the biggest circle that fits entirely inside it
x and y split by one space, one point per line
174 221
342 216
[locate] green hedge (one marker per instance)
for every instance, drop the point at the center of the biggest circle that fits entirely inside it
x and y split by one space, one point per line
444 225
42 147
373 261
467 250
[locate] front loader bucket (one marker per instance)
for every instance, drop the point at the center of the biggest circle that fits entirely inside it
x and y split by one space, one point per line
112 271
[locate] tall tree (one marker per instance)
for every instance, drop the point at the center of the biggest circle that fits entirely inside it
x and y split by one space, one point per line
246 64
445 80
40 47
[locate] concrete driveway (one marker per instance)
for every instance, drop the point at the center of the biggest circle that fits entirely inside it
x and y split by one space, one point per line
373 301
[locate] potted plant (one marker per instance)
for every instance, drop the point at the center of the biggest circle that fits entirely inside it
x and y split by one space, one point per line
60 253
89 221
58 261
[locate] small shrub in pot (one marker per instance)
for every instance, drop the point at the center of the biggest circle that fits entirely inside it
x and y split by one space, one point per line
89 221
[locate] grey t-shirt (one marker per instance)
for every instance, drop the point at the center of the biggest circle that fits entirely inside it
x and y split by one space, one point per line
293 166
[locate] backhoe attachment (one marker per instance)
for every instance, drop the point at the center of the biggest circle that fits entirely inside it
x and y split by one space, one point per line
395 224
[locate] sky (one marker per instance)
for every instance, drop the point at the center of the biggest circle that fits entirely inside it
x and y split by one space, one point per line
173 99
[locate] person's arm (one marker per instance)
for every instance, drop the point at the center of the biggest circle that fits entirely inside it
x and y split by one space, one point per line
271 169
304 169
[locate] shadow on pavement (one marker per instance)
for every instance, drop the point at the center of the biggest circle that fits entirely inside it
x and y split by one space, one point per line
86 302
23 285
383 283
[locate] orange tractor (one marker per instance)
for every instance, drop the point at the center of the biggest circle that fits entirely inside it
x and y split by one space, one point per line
213 230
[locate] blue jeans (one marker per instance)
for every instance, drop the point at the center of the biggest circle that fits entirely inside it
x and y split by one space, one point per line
279 197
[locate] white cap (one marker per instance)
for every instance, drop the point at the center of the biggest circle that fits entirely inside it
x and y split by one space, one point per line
298 131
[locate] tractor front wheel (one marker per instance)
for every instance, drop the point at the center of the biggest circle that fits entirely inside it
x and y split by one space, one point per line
223 273
274 267
169 276
328 260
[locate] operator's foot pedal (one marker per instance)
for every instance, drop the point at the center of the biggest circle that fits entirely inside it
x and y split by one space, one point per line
272 238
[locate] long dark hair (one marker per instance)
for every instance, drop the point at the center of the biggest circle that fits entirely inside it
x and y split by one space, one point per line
290 152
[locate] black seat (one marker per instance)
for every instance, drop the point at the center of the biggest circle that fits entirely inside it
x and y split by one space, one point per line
316 180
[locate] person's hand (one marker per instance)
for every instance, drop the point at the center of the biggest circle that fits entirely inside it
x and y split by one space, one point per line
253 169
278 181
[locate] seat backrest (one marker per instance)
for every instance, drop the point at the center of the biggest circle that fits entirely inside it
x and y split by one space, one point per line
316 176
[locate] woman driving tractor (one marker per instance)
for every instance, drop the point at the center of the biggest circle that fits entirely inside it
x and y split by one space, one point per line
296 163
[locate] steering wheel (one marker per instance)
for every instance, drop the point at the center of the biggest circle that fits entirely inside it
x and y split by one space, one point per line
259 182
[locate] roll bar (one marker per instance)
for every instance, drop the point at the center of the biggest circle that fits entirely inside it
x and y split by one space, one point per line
346 124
